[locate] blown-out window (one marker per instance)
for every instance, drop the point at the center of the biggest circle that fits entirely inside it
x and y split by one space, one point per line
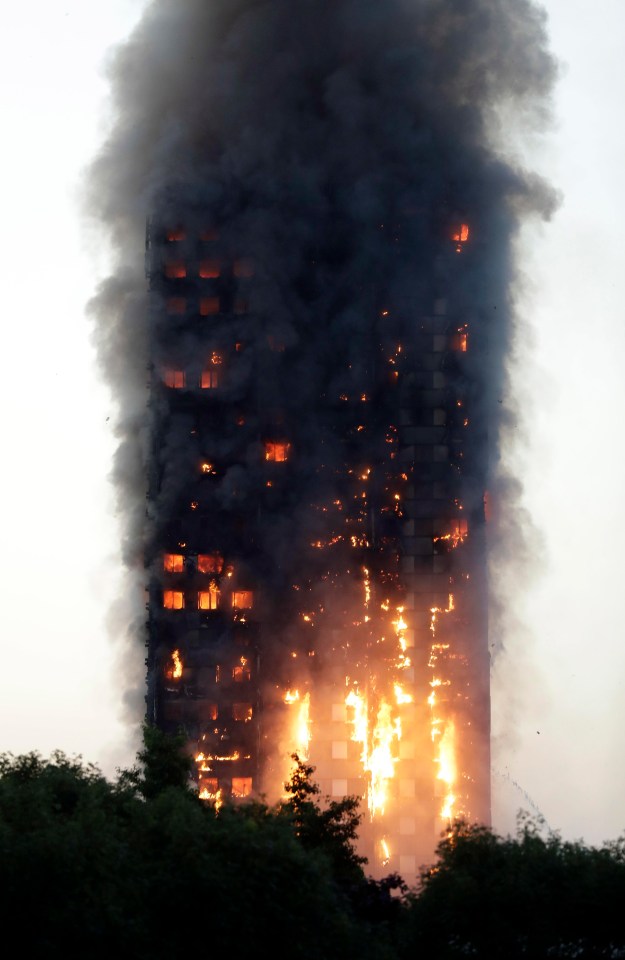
277 452
209 379
173 599
243 599
175 269
208 599
210 563
209 269
241 672
242 711
241 787
173 563
176 379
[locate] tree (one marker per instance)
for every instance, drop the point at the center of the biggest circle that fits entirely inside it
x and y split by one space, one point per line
141 868
534 896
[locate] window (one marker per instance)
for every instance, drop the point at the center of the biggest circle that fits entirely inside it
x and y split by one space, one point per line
173 599
242 711
243 268
241 787
460 232
460 340
208 234
339 749
208 712
208 599
175 234
277 452
210 563
175 269
176 379
209 379
339 788
173 563
209 269
176 306
209 788
209 306
242 599
241 672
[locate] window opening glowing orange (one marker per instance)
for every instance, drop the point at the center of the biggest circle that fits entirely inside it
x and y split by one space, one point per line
208 599
210 563
175 269
173 562
243 599
173 599
176 379
277 452
209 269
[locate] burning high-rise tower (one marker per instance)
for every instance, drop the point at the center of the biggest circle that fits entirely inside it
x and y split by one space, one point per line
329 250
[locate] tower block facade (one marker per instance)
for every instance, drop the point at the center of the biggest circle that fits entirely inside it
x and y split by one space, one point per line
317 526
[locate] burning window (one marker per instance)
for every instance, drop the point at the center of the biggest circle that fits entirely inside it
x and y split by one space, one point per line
460 340
173 670
210 563
277 452
173 599
243 268
175 234
209 787
242 711
208 712
209 269
241 672
460 233
176 379
175 269
209 379
243 599
241 787
176 306
208 599
209 306
173 563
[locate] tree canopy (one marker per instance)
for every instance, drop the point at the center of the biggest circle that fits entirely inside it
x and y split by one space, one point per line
141 867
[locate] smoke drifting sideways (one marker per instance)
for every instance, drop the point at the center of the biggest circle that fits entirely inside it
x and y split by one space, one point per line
311 129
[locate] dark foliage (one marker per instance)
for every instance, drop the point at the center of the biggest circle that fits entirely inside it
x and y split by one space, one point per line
533 896
141 868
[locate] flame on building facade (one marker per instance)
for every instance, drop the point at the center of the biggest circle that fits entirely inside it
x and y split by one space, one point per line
317 569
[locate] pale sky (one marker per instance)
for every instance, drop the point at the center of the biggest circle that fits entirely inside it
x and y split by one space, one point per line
558 695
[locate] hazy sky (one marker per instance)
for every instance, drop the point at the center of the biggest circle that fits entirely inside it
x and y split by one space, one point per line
558 694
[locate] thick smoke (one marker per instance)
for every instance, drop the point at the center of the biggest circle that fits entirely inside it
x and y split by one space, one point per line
313 129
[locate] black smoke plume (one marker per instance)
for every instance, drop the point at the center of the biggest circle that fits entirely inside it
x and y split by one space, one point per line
335 144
